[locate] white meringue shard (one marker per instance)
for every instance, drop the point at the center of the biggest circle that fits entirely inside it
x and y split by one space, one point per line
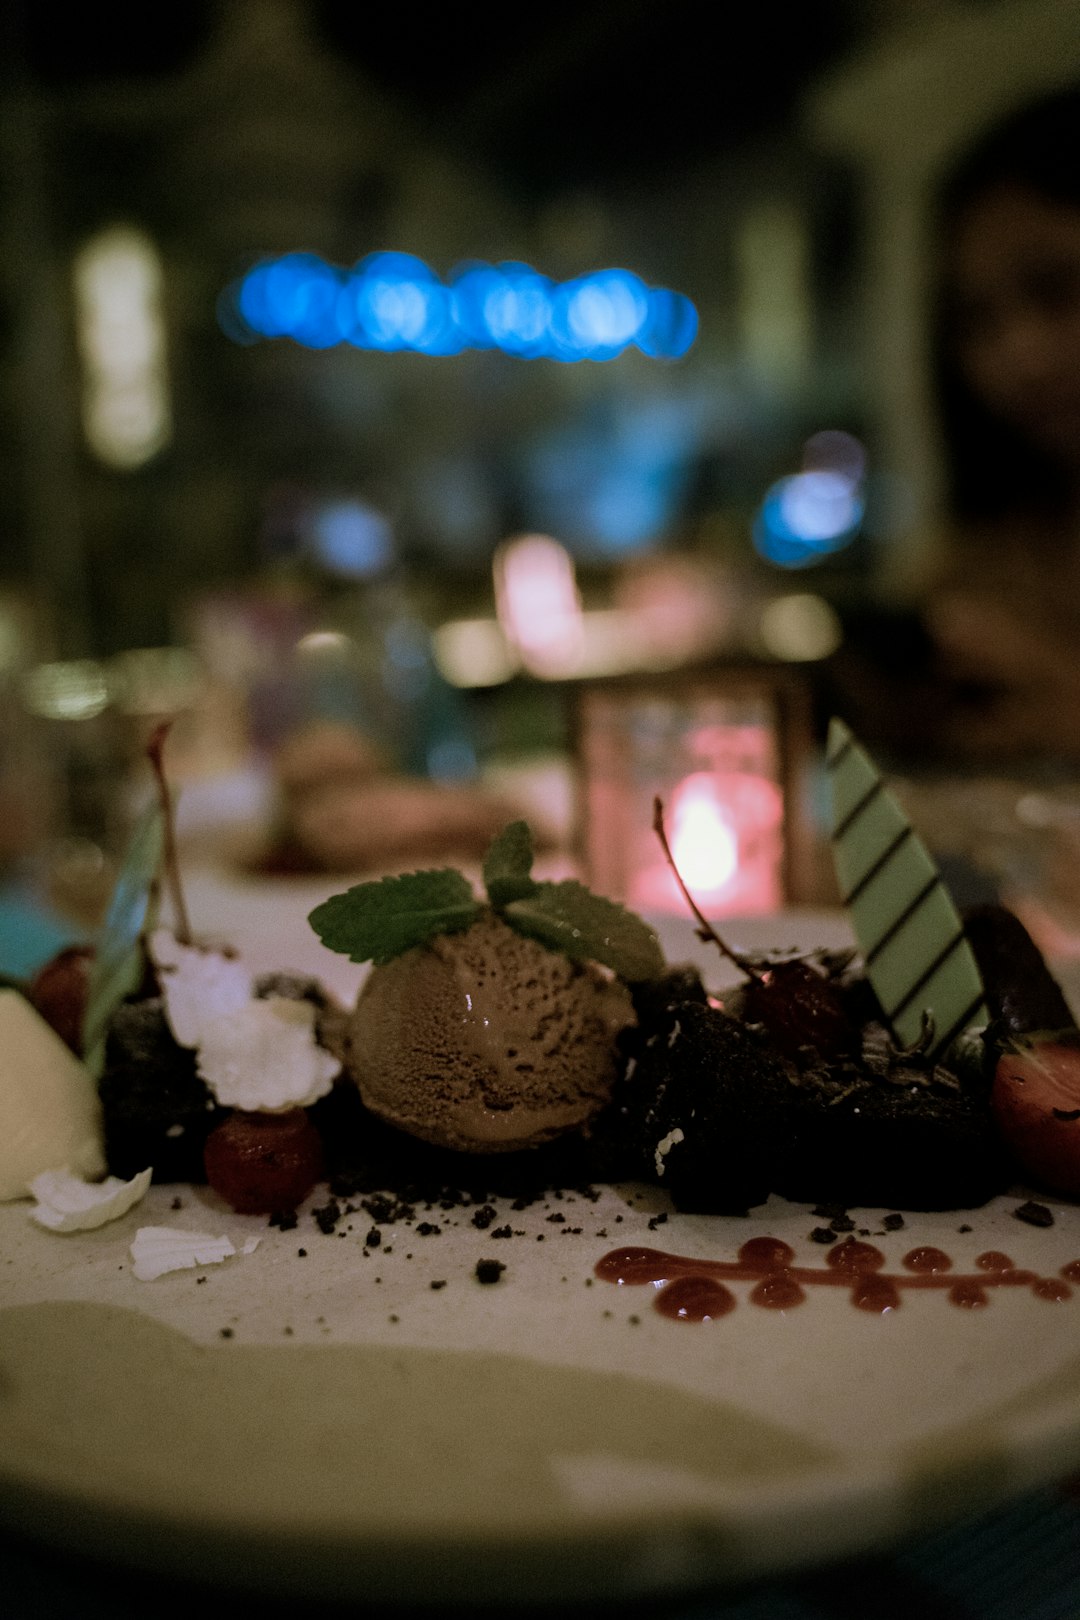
200 985
264 1057
158 1249
67 1203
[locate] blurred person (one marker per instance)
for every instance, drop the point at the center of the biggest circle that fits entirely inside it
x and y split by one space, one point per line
1004 609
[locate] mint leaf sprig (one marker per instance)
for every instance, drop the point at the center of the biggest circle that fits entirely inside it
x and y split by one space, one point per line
374 922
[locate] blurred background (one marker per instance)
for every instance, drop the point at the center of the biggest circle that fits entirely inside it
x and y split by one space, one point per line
394 373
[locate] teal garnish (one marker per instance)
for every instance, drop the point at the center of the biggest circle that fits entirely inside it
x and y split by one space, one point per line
117 966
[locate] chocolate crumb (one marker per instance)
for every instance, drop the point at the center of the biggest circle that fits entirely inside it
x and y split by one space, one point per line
964 1228
483 1217
428 1229
503 1232
1034 1214
301 1254
601 1231
842 1223
393 1318
441 1283
894 1222
200 1279
374 1238
178 1203
327 1216
654 1222
287 1331
489 1271
633 1320
286 1219
539 1237
823 1234
225 1333
556 1216
609 1313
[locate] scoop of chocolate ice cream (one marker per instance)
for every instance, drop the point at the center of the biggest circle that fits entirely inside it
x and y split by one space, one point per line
485 1041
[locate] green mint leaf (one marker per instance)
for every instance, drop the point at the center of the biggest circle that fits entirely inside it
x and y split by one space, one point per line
568 917
377 921
508 865
117 966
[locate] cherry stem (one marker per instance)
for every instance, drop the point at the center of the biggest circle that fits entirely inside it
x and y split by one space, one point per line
705 929
155 750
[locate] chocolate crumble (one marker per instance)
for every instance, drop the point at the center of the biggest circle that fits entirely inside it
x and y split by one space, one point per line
489 1271
1034 1214
327 1215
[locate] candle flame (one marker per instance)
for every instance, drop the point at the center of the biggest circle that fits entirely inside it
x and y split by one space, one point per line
704 842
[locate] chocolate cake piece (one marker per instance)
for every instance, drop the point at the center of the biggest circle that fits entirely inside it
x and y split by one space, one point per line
705 1109
157 1110
890 1129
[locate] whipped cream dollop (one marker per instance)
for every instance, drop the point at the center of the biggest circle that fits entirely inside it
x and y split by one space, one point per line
258 1053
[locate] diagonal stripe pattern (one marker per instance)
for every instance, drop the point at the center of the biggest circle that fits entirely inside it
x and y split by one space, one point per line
907 927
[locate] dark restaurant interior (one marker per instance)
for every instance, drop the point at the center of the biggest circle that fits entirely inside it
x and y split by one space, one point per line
435 418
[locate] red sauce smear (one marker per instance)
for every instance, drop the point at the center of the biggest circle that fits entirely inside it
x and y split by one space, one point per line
691 1290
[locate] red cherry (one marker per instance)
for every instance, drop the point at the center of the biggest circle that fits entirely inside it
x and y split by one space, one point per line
264 1164
1036 1103
58 991
799 1007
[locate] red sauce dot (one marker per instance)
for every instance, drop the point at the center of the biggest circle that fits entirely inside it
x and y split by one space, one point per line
766 1254
927 1259
695 1299
634 1266
777 1293
1050 1288
969 1294
877 1294
1072 1271
994 1260
854 1256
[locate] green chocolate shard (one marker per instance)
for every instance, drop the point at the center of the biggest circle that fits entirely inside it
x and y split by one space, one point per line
908 930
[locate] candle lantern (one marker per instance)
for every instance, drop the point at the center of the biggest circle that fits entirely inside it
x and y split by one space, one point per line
726 750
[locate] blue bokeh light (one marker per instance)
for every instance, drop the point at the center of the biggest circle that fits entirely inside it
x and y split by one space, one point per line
351 538
394 301
807 517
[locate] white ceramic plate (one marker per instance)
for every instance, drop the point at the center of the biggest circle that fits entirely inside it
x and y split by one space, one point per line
332 1424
